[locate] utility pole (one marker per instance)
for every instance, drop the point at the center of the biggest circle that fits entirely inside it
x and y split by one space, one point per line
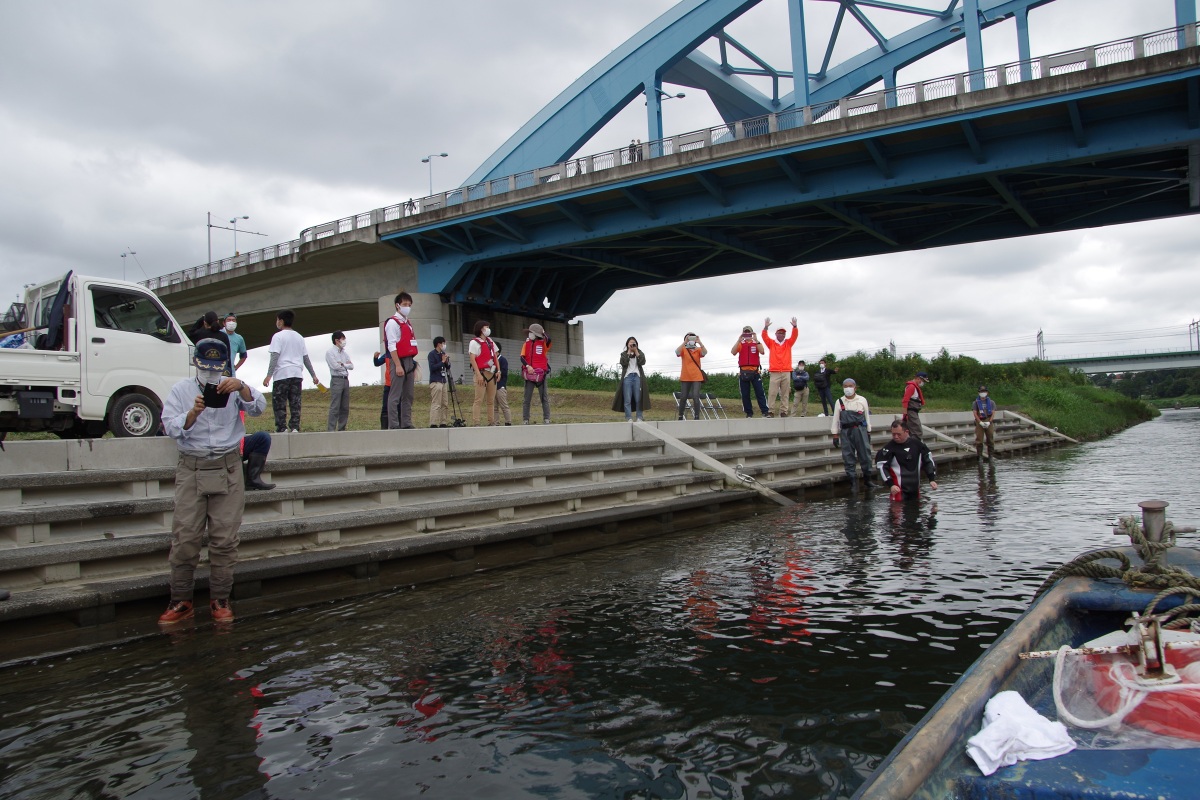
892 348
1041 346
1194 328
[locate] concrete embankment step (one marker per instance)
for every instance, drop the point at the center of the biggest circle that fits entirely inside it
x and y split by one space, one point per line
85 526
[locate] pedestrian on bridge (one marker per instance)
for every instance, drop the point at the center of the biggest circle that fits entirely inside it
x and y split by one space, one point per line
339 363
402 346
289 357
780 366
202 415
913 402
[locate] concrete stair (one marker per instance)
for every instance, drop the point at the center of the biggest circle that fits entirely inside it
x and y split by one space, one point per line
85 525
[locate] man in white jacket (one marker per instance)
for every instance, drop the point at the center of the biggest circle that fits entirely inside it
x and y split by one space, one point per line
851 429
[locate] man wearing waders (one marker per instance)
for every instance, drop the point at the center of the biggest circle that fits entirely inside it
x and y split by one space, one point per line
901 462
852 420
914 399
985 412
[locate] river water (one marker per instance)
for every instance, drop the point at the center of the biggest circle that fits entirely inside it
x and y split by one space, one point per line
782 655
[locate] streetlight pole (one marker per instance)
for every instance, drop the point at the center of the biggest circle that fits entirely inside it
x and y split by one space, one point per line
429 160
128 252
233 222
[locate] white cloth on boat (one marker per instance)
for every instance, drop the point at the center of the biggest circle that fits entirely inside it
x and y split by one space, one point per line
1012 732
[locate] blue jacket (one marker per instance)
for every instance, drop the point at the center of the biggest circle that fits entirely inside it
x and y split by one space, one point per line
502 382
435 367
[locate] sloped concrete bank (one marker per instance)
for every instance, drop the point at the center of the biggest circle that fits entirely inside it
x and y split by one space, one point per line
84 525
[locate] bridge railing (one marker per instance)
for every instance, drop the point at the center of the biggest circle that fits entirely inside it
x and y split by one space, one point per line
961 83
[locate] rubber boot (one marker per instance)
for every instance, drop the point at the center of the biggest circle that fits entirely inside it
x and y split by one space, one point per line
991 454
979 452
868 480
253 467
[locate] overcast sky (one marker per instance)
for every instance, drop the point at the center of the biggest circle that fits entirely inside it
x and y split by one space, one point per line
124 122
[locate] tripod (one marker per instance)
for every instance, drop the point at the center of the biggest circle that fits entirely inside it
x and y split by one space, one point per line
457 420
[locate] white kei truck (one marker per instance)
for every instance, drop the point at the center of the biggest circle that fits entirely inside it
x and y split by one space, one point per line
104 355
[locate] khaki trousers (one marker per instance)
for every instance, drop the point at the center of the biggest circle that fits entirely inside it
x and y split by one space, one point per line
800 403
777 394
439 404
485 395
209 494
502 409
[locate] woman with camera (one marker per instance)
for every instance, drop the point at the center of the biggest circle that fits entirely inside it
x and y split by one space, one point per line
691 376
632 392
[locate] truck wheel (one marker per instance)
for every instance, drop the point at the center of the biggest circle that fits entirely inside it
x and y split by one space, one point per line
133 415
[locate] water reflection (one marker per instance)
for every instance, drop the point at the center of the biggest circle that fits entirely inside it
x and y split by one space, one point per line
780 655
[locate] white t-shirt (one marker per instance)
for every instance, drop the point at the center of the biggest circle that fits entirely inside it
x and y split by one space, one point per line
292 352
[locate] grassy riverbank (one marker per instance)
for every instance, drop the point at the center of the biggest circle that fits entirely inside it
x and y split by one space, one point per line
1049 395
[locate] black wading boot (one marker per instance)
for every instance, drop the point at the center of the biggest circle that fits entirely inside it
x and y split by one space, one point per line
252 468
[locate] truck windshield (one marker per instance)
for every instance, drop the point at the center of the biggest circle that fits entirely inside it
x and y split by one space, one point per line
121 310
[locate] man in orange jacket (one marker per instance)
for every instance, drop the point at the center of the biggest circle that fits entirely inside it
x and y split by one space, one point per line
780 368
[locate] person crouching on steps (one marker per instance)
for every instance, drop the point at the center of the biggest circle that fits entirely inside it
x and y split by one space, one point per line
202 415
482 353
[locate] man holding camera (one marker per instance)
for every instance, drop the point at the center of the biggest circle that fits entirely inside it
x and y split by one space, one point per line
749 355
202 415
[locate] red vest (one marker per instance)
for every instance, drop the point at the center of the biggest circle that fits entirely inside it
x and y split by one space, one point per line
406 344
487 355
534 351
748 355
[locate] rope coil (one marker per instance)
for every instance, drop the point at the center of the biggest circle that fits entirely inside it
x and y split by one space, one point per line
1153 573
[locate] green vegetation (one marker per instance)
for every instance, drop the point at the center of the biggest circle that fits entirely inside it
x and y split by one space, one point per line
1051 395
1167 385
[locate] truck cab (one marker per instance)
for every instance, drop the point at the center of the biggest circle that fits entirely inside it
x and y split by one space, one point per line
101 355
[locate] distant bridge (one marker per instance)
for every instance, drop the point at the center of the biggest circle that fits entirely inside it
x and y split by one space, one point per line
1130 362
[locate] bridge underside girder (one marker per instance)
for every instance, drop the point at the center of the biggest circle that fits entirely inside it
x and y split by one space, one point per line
940 176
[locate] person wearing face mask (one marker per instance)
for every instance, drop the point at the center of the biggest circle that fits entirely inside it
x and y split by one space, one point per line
439 366
823 379
535 369
851 429
482 354
780 367
913 402
402 346
633 394
984 409
339 363
800 379
202 415
237 345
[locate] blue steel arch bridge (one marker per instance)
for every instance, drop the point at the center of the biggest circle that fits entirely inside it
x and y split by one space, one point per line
840 163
